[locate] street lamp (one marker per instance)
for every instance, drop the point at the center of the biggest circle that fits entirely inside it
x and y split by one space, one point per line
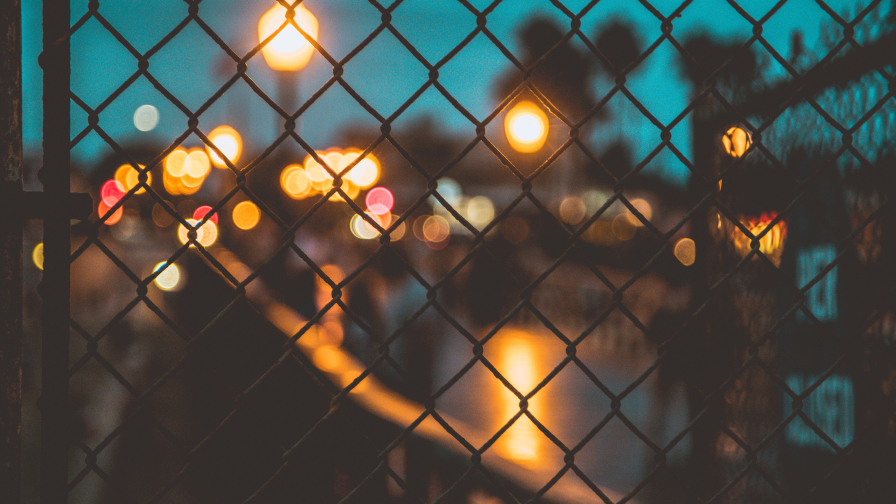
289 51
526 126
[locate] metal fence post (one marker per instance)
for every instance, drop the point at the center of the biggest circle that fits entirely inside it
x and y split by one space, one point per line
54 287
10 252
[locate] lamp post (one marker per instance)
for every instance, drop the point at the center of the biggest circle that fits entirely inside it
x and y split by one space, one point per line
289 51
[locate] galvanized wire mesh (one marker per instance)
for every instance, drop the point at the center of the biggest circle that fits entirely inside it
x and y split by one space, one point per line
746 298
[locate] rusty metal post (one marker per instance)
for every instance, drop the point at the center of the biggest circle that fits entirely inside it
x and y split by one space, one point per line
54 288
10 252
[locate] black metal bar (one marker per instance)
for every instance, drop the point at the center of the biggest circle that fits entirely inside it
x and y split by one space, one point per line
54 287
11 253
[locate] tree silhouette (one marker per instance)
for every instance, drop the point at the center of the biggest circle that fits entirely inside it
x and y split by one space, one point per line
562 76
619 44
736 67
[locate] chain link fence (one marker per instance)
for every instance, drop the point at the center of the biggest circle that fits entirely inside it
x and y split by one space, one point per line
513 313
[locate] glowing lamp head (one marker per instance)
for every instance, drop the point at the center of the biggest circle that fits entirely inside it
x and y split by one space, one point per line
736 141
526 126
289 50
229 142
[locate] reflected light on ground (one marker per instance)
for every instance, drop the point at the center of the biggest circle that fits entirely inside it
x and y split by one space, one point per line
228 141
289 50
167 279
686 251
246 215
518 363
37 255
526 126
736 141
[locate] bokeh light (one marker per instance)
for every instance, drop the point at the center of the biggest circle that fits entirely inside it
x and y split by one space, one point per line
379 200
365 173
103 209
362 229
129 177
479 211
146 117
169 278
736 141
37 255
624 226
572 209
289 50
199 164
228 141
205 235
644 208
246 215
435 229
175 163
295 182
686 251
201 212
161 216
111 192
526 126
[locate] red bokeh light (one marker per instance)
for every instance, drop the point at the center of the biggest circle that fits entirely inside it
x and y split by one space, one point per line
111 192
200 213
379 200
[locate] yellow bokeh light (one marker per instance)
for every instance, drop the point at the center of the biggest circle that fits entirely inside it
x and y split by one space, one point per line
205 235
771 244
199 165
37 255
643 207
435 228
572 209
480 211
736 141
362 229
229 142
526 126
289 50
128 177
176 162
167 279
365 173
686 251
246 215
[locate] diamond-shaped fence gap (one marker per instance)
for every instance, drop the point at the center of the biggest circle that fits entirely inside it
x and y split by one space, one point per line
433 41
399 71
316 124
133 481
779 30
187 66
145 112
96 52
92 487
615 457
99 288
146 24
99 402
479 56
